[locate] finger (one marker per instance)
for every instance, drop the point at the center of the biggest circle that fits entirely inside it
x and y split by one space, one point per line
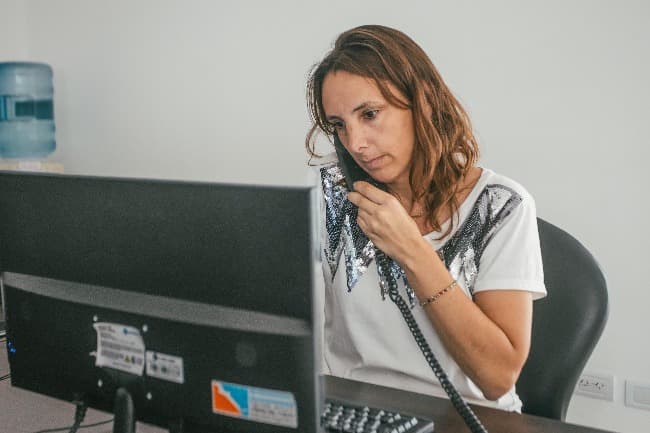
369 223
364 215
360 201
371 192
361 222
365 226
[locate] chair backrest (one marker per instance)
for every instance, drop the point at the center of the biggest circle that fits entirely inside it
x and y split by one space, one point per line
567 323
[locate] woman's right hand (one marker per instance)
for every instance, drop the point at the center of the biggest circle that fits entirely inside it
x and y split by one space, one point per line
385 221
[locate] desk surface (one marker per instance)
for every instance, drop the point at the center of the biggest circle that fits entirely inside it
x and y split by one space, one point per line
442 412
24 411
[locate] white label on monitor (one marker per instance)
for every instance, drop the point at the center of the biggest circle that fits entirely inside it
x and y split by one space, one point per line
267 406
119 347
165 367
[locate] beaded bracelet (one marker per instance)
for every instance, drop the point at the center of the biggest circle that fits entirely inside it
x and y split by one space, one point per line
433 298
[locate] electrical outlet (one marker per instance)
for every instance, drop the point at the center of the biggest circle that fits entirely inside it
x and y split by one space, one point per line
596 386
637 394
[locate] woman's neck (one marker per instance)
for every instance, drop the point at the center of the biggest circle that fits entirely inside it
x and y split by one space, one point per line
417 209
403 192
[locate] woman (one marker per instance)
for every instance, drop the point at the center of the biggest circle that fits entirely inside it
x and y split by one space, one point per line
462 240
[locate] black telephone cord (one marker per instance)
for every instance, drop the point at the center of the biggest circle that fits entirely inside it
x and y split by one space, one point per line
471 420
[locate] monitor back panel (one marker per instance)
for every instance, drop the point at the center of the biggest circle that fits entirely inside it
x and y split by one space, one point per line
212 374
199 241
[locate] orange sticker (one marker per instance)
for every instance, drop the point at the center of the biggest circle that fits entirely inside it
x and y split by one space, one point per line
268 406
222 402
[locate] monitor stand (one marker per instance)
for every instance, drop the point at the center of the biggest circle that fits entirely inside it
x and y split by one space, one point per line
124 414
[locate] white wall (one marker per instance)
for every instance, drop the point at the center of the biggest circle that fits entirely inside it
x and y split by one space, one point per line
211 90
12 30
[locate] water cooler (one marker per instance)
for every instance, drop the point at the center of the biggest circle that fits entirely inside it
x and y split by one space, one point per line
27 131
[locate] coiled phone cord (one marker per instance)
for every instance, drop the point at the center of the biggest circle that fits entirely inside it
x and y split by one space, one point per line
471 420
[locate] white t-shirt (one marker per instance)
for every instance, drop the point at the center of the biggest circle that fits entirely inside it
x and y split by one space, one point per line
494 245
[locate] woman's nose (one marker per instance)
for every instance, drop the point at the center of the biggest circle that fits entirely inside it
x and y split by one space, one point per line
356 140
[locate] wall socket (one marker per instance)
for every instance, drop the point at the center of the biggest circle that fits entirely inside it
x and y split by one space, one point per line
637 394
596 386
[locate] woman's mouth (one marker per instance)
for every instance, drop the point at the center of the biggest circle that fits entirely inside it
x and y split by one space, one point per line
374 163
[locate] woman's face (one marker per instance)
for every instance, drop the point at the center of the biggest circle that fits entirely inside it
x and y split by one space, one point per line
378 135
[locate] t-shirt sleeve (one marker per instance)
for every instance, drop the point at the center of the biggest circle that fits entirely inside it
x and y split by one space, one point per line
512 259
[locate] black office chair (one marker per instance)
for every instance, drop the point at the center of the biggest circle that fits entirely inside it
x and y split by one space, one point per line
566 324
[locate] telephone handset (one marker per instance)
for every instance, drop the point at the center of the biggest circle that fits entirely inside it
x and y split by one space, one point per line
352 173
351 170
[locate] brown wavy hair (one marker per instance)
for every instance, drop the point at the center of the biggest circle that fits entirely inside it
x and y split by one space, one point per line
445 147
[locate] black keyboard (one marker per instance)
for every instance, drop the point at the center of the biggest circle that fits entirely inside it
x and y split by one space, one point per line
344 417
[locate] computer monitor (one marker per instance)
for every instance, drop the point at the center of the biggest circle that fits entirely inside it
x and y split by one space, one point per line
194 297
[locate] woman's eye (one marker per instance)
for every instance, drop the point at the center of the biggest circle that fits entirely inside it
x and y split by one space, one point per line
336 126
370 114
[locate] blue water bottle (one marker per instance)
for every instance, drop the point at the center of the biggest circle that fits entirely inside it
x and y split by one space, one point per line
26 110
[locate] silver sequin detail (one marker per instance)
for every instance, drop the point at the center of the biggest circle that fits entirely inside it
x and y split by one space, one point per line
343 233
398 273
461 253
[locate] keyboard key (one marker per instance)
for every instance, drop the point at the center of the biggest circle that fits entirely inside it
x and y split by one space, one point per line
344 417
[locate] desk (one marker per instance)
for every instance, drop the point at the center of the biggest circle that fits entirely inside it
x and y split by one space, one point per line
442 412
24 411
